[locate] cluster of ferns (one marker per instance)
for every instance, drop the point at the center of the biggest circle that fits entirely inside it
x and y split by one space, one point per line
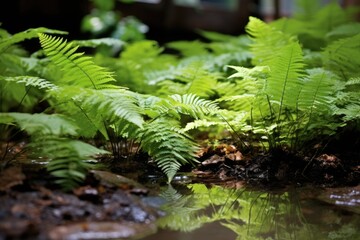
279 85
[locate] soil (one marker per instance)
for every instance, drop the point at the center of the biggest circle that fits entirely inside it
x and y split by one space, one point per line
280 168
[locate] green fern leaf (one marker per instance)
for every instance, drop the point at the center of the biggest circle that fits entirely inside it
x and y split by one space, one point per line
192 105
342 57
344 30
78 70
69 159
283 85
113 105
169 148
54 124
189 48
35 82
317 92
263 36
5 43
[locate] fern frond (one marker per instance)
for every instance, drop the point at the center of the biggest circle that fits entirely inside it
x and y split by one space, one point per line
243 102
189 75
96 109
209 124
283 85
342 58
78 70
350 112
344 30
353 81
69 159
263 36
189 48
317 92
112 105
5 43
249 73
169 148
54 124
193 106
35 82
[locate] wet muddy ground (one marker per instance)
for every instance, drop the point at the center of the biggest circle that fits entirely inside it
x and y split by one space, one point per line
106 206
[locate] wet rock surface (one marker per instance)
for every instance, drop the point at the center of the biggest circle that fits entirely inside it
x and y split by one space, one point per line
107 206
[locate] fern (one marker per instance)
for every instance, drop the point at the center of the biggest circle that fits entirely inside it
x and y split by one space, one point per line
312 24
32 81
317 92
282 101
344 30
43 124
69 159
97 109
187 104
193 106
48 132
286 65
342 58
169 147
283 85
78 69
112 105
189 48
6 42
263 36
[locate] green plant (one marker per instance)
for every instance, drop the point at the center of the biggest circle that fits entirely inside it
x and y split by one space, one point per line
104 20
88 95
52 138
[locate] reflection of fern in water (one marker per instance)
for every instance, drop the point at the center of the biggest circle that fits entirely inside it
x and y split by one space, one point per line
250 214
50 139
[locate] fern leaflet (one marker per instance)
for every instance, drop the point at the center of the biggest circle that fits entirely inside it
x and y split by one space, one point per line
79 70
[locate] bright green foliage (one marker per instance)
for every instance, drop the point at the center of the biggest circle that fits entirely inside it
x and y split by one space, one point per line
342 57
251 214
69 159
280 85
90 103
77 68
9 41
316 26
42 124
50 139
288 102
170 149
17 71
118 109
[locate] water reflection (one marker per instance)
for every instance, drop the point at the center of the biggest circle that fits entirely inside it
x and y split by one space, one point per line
252 214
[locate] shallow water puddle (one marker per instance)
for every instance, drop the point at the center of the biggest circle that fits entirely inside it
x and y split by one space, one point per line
212 213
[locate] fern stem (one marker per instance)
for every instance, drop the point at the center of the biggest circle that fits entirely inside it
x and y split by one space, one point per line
285 83
243 144
23 98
